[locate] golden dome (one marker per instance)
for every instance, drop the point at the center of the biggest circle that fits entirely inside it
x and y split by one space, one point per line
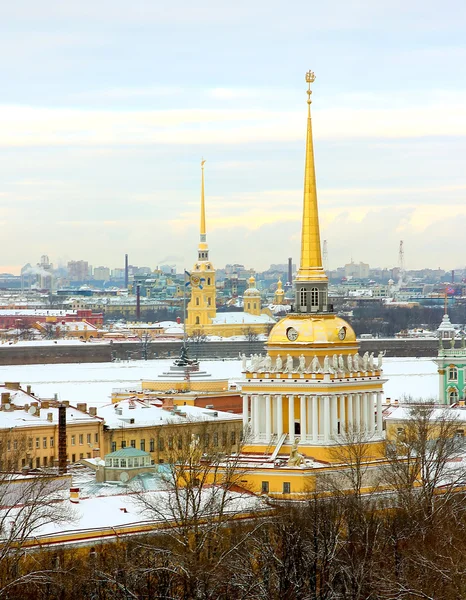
252 290
323 331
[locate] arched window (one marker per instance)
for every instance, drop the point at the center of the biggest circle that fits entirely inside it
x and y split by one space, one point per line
452 374
453 396
208 280
197 301
208 301
249 305
303 297
314 297
255 306
197 320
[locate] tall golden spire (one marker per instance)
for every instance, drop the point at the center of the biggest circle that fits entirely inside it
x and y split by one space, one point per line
203 238
310 268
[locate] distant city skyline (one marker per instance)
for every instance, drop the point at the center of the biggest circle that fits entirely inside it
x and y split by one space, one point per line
107 109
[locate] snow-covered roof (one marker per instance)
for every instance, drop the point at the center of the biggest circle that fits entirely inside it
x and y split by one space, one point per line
22 418
132 412
35 312
403 412
238 318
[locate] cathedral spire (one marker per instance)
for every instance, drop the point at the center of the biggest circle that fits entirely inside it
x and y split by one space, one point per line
203 248
310 268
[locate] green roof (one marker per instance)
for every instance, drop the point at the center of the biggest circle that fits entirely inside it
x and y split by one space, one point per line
127 453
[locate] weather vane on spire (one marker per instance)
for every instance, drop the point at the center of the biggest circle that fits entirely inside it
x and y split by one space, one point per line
310 78
202 163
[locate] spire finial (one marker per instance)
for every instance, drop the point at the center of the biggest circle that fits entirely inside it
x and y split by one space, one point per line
311 268
203 228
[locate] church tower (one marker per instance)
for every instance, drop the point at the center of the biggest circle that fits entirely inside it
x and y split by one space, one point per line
279 293
312 388
252 298
202 305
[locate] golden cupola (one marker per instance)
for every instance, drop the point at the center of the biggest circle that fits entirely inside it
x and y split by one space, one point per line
279 293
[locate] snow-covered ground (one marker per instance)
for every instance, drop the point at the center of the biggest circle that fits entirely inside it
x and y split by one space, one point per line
93 382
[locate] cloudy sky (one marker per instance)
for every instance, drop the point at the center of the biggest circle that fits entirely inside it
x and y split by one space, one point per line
108 106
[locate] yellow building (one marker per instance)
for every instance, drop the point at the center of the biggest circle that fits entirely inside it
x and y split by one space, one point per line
312 390
29 430
202 314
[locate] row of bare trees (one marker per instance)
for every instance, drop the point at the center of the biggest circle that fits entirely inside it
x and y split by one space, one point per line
393 532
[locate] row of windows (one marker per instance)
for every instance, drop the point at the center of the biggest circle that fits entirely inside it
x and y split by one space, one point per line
286 487
314 292
452 373
171 441
209 301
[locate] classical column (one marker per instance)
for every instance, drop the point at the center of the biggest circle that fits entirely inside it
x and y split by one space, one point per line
326 423
357 416
245 412
365 420
379 414
268 418
302 417
279 415
315 419
370 412
256 423
342 414
349 413
291 417
333 415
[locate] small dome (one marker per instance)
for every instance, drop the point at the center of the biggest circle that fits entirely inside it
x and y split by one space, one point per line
315 330
252 290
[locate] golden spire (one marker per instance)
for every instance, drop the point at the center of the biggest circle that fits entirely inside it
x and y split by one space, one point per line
310 268
203 238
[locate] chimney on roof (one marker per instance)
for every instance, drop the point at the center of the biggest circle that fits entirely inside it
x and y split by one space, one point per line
5 398
50 417
28 389
93 411
82 406
12 385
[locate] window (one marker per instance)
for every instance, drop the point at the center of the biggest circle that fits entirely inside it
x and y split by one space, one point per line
459 433
37 462
88 455
197 320
209 301
233 437
123 444
215 439
170 442
44 442
452 374
81 456
37 442
123 462
206 439
73 440
133 443
88 437
73 458
302 297
45 461
96 438
314 297
81 439
197 301
208 280
453 396
224 438
113 446
286 487
265 487
180 442
161 445
30 443
249 305
152 445
143 445
52 442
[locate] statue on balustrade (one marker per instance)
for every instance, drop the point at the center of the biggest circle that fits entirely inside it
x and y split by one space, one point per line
289 364
244 362
302 363
350 363
380 358
335 362
341 364
278 364
268 363
315 365
356 360
365 361
296 458
327 368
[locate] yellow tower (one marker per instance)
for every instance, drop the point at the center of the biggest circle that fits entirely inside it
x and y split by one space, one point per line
279 293
202 305
252 298
312 388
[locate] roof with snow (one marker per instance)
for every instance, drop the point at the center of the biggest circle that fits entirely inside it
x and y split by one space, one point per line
238 318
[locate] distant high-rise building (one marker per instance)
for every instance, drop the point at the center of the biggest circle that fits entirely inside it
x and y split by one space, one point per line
102 274
78 270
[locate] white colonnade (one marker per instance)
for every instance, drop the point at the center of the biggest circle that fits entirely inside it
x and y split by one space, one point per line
312 417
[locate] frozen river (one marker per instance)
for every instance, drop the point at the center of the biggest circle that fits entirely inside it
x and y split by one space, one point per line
93 383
